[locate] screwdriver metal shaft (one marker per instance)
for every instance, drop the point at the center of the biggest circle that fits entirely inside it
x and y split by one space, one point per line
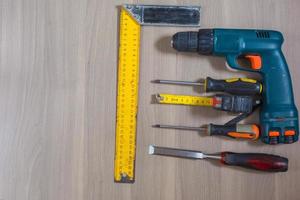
189 83
190 128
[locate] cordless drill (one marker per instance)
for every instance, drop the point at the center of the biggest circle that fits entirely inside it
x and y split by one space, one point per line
278 115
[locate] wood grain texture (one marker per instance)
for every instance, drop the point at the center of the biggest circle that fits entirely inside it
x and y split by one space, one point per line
58 69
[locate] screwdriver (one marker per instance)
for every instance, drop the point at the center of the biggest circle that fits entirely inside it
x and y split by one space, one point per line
238 131
240 86
257 161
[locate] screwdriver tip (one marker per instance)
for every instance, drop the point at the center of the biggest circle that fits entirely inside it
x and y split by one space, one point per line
155 81
151 149
156 126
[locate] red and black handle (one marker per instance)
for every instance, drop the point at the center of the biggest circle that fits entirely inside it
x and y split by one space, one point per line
258 161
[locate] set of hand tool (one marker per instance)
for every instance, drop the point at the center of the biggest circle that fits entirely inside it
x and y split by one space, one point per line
278 115
273 94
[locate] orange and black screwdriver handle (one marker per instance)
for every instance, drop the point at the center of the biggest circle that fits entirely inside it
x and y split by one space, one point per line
257 161
243 131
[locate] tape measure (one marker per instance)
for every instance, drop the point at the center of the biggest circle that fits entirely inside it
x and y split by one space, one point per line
184 100
127 99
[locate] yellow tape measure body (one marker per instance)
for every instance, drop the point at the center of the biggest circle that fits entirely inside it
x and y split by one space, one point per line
184 100
127 98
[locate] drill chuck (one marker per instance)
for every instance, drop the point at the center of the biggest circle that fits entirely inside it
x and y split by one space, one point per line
191 41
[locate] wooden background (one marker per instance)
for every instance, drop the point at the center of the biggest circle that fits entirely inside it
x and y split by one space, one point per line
58 69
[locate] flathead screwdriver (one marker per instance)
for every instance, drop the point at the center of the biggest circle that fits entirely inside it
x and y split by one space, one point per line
239 86
257 161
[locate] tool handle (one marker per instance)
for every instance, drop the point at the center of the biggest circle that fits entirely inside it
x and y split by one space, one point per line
239 86
243 131
257 161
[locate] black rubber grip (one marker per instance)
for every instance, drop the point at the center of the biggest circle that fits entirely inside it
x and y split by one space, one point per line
171 15
221 129
239 86
257 161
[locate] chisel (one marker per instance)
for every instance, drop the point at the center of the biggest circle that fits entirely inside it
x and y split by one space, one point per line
239 86
257 161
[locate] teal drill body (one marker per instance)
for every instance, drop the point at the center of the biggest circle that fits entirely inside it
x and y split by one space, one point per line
278 115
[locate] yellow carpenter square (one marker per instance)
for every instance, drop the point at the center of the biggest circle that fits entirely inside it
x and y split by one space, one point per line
184 100
127 98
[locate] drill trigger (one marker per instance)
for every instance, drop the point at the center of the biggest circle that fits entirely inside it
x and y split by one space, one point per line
255 61
232 62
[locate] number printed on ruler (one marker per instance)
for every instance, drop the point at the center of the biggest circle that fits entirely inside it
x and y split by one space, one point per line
185 100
